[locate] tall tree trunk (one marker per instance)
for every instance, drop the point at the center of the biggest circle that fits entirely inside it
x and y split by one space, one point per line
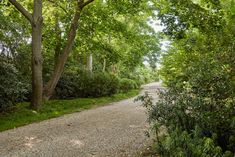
59 67
58 38
104 65
89 66
37 82
36 21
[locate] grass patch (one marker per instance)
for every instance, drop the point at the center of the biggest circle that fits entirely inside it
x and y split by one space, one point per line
22 115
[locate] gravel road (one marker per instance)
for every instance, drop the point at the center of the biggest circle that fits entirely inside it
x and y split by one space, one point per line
115 130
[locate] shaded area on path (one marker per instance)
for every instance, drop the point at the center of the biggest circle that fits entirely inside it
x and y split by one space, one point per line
114 130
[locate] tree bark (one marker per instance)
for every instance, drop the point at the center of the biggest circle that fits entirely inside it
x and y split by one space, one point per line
59 67
37 81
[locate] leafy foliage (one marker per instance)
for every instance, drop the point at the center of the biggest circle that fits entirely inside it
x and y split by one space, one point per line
195 113
189 122
11 89
141 75
127 84
85 85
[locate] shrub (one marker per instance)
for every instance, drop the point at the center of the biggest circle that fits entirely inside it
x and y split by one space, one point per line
66 87
104 84
11 89
87 85
194 124
127 84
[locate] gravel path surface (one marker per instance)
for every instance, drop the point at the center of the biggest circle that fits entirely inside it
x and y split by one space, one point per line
116 130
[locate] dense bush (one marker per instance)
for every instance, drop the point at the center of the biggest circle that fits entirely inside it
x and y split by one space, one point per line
127 84
104 84
87 85
192 124
97 85
197 111
200 98
11 89
66 87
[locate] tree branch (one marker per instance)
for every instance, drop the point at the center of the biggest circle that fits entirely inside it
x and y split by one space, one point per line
86 3
56 4
23 11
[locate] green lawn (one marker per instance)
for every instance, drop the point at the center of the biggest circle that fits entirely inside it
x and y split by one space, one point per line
22 115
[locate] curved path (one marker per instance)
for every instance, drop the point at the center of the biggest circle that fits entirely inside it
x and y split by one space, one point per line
114 130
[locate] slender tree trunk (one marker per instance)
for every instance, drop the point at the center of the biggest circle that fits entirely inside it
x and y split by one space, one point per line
58 38
58 69
104 65
37 81
105 62
89 63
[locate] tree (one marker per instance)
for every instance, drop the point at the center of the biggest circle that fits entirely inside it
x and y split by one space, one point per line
62 58
36 21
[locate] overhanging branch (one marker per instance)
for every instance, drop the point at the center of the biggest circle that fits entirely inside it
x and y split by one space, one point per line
86 3
22 10
56 4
